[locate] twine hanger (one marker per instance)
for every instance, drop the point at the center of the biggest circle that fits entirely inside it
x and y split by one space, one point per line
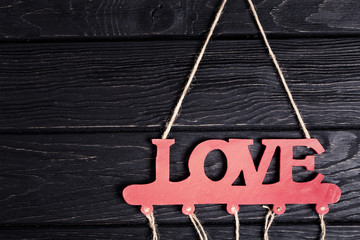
270 215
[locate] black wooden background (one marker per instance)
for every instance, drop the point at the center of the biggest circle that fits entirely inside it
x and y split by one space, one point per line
86 84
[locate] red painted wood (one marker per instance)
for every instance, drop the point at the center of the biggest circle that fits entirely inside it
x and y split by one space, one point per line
199 189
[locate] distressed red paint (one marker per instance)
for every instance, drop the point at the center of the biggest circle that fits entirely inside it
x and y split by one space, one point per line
199 189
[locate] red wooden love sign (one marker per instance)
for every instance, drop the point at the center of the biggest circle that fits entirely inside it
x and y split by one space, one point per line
199 189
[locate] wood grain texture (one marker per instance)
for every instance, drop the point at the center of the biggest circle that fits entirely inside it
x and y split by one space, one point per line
220 232
36 19
78 178
77 116
133 85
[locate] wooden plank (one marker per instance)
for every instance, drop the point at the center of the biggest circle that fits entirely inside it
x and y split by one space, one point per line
251 232
110 18
136 84
78 178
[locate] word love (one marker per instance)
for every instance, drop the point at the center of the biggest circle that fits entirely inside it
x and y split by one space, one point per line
199 189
